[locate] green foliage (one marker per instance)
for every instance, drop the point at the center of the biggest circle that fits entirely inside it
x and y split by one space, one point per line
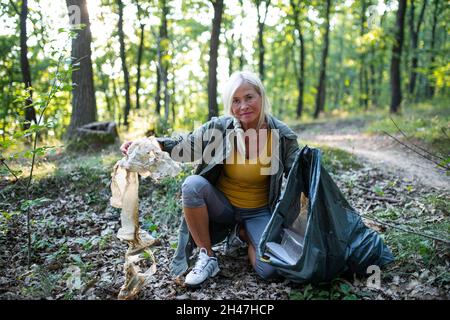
335 159
426 121
338 289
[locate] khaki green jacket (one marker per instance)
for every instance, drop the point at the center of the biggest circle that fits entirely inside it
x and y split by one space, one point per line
194 148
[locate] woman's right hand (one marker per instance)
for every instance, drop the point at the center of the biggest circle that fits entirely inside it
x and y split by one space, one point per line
124 147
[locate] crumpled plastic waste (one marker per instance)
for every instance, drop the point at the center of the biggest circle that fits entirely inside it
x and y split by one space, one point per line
144 158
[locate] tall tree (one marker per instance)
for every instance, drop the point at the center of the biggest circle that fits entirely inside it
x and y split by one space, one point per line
431 87
84 109
261 24
126 76
241 45
363 82
321 87
396 85
414 31
30 113
213 53
296 7
140 13
163 63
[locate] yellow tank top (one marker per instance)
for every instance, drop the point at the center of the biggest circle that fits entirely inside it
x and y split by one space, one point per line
241 181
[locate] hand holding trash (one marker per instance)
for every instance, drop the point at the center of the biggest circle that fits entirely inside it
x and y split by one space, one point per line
142 157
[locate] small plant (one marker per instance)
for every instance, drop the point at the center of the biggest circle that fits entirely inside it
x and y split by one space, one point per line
31 133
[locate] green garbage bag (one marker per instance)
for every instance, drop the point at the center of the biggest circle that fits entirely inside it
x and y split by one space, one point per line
314 235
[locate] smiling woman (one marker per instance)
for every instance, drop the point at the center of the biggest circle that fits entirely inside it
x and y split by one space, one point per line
232 198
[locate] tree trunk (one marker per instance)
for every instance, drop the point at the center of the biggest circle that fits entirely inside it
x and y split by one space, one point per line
126 76
301 75
241 45
212 64
414 31
321 87
30 113
162 66
139 58
158 85
431 88
396 84
261 24
84 109
363 85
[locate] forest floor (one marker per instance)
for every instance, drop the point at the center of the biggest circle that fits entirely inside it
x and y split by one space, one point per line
76 254
379 150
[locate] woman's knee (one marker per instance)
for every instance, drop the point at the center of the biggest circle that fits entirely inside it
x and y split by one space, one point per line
265 270
192 191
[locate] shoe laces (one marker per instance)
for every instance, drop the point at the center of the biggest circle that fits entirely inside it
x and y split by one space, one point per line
201 262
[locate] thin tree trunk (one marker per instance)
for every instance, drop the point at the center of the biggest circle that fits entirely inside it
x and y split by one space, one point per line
261 24
396 85
158 85
431 86
126 76
116 101
414 31
84 109
139 62
162 65
241 46
321 87
363 95
212 64
30 113
301 75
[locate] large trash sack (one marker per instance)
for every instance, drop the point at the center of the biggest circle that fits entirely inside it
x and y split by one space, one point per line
322 235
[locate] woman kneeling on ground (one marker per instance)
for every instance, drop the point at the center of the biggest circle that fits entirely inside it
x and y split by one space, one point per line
238 187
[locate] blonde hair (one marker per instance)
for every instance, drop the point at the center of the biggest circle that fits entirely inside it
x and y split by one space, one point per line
234 82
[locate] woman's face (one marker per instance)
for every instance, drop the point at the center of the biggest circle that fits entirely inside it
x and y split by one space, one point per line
246 105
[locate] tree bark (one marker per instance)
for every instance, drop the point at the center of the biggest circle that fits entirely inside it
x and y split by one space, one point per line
396 88
30 113
164 63
431 87
84 109
139 57
261 24
126 76
414 31
363 85
212 64
301 75
321 87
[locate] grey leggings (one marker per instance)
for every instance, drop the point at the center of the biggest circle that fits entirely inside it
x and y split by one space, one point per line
198 192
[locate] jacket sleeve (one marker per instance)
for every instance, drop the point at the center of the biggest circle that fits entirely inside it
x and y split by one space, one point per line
188 147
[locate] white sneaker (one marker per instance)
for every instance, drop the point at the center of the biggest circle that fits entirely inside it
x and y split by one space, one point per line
233 242
204 268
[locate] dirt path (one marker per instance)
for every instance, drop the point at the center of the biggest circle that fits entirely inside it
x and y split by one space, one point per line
380 151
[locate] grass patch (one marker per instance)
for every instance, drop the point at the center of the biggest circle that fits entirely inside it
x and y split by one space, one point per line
423 121
335 159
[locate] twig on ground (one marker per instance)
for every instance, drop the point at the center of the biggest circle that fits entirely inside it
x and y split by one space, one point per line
418 147
415 151
407 230
383 199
